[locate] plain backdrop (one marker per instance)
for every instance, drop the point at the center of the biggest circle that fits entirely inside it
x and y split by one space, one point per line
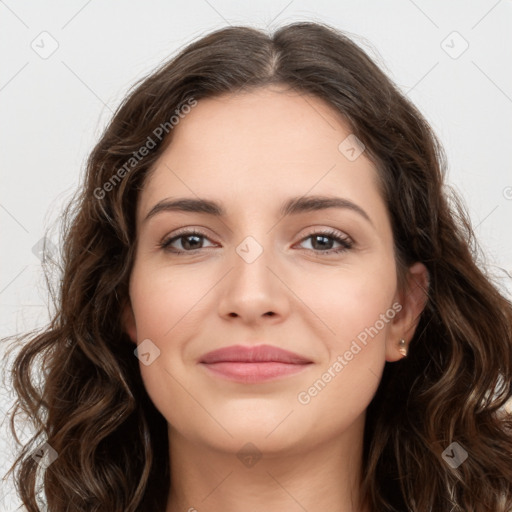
65 66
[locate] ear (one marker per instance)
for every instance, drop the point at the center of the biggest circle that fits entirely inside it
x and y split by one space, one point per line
128 320
413 300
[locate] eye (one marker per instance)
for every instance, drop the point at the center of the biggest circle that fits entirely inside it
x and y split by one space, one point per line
322 242
190 242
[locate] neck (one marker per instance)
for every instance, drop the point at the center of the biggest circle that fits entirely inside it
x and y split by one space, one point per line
324 476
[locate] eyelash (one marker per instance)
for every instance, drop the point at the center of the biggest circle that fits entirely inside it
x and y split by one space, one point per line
346 243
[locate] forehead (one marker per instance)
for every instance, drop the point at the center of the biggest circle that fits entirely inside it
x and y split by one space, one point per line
241 147
265 116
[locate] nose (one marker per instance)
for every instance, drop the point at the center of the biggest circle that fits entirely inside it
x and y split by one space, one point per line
254 290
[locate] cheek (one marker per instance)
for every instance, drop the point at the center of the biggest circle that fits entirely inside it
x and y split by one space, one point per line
169 307
353 312
358 312
166 300
165 305
348 300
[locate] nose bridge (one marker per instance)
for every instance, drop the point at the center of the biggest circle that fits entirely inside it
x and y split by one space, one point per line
253 256
254 248
251 289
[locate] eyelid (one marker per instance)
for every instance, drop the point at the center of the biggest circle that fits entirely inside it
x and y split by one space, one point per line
328 232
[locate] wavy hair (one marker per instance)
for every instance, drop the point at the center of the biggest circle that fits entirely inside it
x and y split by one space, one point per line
91 406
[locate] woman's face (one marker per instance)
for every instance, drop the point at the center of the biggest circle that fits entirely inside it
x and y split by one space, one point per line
258 275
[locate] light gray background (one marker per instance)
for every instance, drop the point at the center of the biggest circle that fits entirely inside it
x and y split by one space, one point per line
53 107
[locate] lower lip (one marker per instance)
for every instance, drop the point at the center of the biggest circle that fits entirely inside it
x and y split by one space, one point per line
254 372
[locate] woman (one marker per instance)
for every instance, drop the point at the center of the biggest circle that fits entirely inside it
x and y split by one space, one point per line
269 300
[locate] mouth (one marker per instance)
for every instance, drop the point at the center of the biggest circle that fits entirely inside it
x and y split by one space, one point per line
251 364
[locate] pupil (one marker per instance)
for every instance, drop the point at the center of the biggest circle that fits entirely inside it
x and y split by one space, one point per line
187 238
324 238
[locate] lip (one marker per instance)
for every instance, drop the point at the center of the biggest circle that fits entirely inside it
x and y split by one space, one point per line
253 364
253 354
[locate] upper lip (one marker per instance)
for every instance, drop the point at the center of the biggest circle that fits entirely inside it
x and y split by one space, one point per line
253 354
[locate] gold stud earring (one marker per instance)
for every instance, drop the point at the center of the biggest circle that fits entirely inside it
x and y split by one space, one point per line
402 348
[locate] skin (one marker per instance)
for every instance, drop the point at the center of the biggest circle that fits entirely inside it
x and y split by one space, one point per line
235 149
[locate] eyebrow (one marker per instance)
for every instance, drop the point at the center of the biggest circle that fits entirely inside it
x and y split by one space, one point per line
292 206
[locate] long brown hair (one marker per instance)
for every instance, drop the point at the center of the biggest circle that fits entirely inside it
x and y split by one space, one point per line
92 407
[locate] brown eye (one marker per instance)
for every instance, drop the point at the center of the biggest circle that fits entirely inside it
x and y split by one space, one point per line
323 241
190 241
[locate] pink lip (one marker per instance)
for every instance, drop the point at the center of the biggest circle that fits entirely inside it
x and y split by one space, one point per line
254 363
